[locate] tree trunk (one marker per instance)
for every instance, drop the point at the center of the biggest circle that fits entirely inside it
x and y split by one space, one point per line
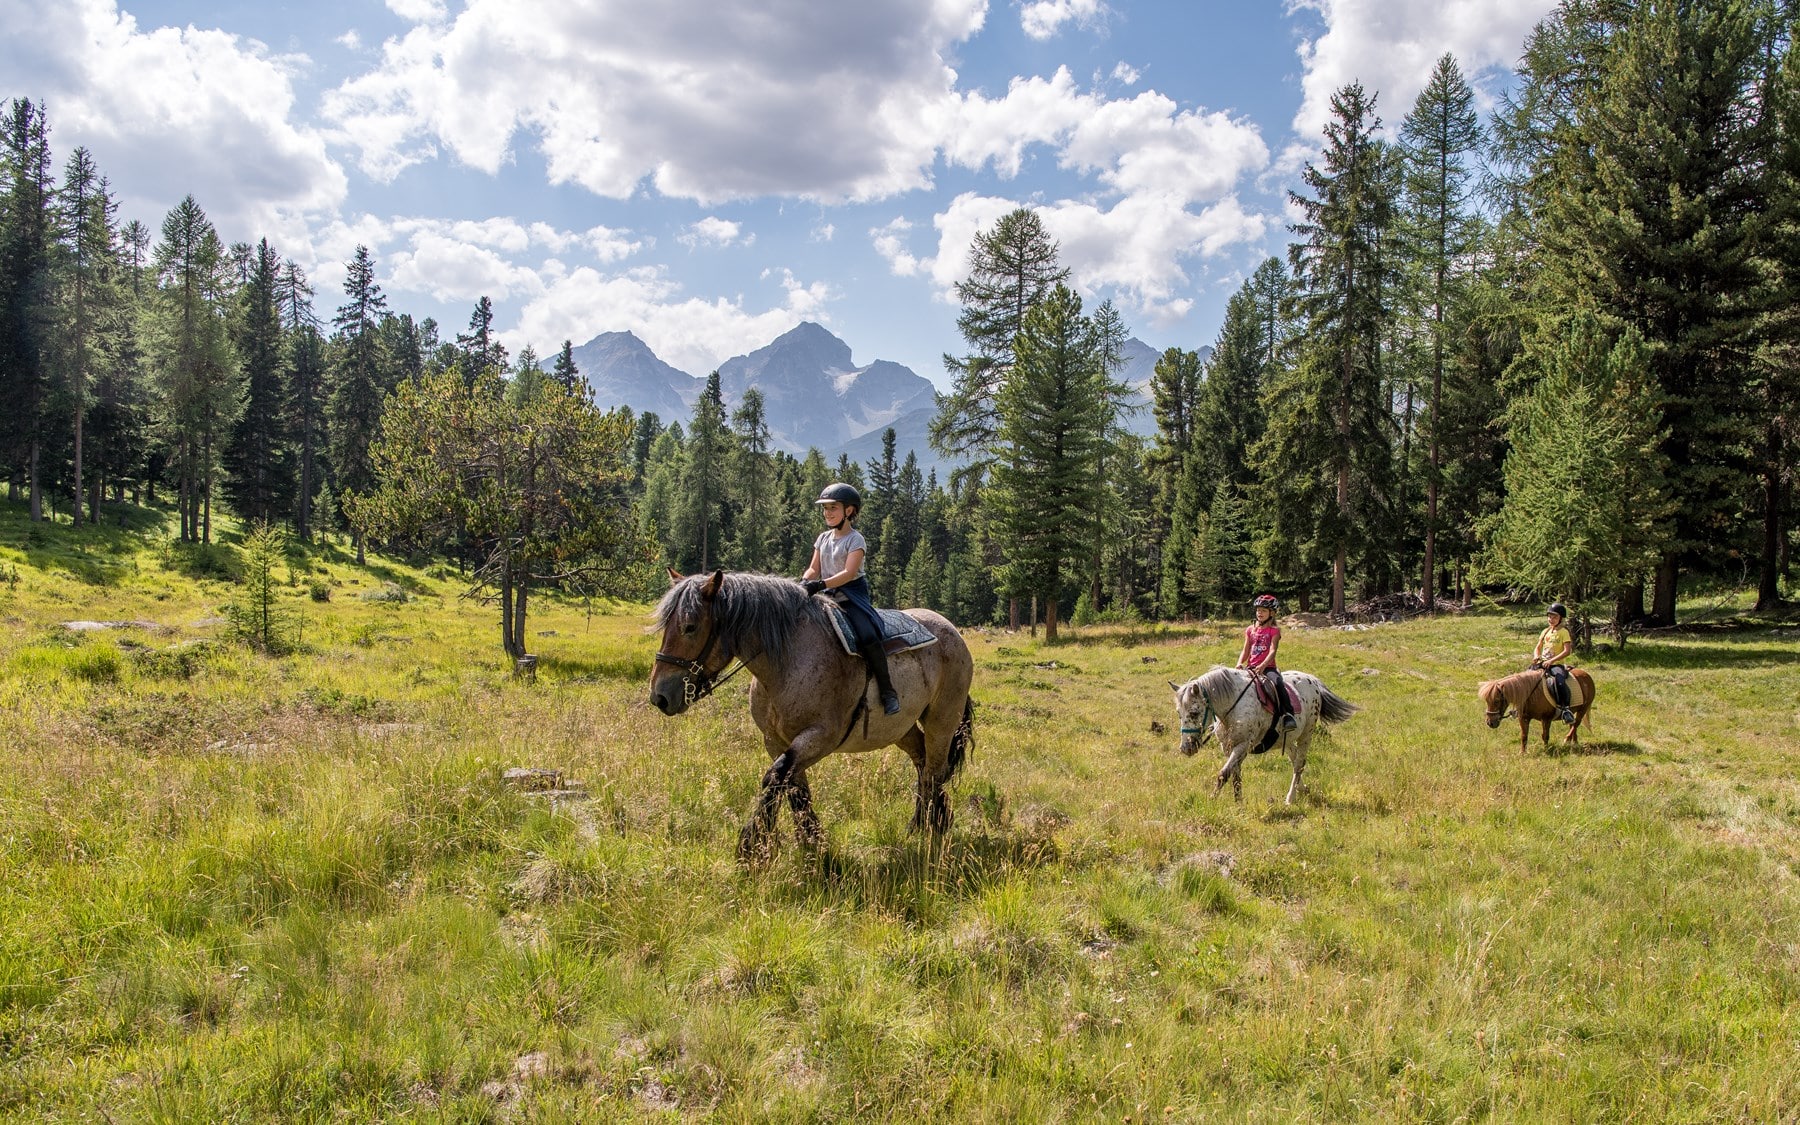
1768 579
1662 604
506 610
1050 620
519 621
37 499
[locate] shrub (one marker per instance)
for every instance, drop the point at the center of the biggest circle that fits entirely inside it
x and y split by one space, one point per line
319 590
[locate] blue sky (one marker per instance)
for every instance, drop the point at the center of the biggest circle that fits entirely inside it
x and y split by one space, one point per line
708 173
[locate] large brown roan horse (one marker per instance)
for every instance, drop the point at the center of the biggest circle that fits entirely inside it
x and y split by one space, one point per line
808 696
1524 693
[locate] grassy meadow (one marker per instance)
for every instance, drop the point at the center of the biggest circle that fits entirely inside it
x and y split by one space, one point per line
239 887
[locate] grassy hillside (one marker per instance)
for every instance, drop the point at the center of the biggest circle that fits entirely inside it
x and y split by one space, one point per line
243 887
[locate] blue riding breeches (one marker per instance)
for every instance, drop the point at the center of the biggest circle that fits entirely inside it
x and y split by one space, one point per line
853 598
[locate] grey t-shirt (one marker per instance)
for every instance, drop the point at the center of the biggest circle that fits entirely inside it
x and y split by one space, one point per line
834 552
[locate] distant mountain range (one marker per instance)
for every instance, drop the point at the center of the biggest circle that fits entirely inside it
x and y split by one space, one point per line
813 394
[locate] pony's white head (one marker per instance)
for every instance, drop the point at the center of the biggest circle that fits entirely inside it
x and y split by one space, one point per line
1196 715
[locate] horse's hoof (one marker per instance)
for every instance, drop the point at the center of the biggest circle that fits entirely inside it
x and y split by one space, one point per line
755 849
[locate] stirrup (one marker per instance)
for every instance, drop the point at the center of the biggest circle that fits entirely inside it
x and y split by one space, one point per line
890 703
1566 715
1288 722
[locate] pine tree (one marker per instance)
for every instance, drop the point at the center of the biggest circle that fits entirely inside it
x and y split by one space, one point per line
1044 450
359 371
197 372
1012 268
260 483
1438 140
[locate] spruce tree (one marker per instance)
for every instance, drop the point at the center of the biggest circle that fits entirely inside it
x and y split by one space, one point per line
1326 449
1651 190
1044 450
701 516
260 483
567 375
27 232
358 374
752 480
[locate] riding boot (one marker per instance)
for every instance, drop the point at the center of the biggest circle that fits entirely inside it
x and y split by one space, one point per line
876 658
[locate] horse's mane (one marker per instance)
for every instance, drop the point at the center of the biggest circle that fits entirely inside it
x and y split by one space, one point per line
1516 688
765 608
1215 682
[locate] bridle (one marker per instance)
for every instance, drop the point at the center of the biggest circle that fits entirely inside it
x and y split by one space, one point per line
1497 715
1204 730
696 682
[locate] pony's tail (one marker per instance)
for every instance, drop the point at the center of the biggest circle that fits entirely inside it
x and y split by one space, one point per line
1334 708
961 742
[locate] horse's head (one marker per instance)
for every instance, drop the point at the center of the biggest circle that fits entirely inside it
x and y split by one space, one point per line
1196 715
1494 700
690 654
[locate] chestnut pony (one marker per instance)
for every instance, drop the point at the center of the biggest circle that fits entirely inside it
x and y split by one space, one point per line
1524 693
808 696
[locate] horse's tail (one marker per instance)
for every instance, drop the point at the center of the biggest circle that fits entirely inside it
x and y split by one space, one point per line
961 742
1334 708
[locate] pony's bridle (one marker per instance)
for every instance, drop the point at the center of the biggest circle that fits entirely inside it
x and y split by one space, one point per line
1204 730
696 682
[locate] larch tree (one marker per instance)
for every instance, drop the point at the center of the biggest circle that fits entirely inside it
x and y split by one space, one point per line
197 370
1011 269
1439 141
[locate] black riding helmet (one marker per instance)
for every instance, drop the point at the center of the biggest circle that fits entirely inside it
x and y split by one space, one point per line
1559 609
841 493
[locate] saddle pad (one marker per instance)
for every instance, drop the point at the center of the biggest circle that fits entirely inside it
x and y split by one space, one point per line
1268 701
900 633
1576 699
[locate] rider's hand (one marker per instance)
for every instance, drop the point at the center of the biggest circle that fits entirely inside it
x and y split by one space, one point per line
813 585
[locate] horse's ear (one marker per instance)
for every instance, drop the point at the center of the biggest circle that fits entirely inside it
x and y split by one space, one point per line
711 589
675 576
1175 687
1481 689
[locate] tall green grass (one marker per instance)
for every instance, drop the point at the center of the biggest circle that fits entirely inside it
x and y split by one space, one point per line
238 887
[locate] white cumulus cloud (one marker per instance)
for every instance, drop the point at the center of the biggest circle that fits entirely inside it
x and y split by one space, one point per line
707 102
171 112
713 231
1042 19
1391 46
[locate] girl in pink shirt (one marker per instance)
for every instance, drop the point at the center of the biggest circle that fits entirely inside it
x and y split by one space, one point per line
1261 641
